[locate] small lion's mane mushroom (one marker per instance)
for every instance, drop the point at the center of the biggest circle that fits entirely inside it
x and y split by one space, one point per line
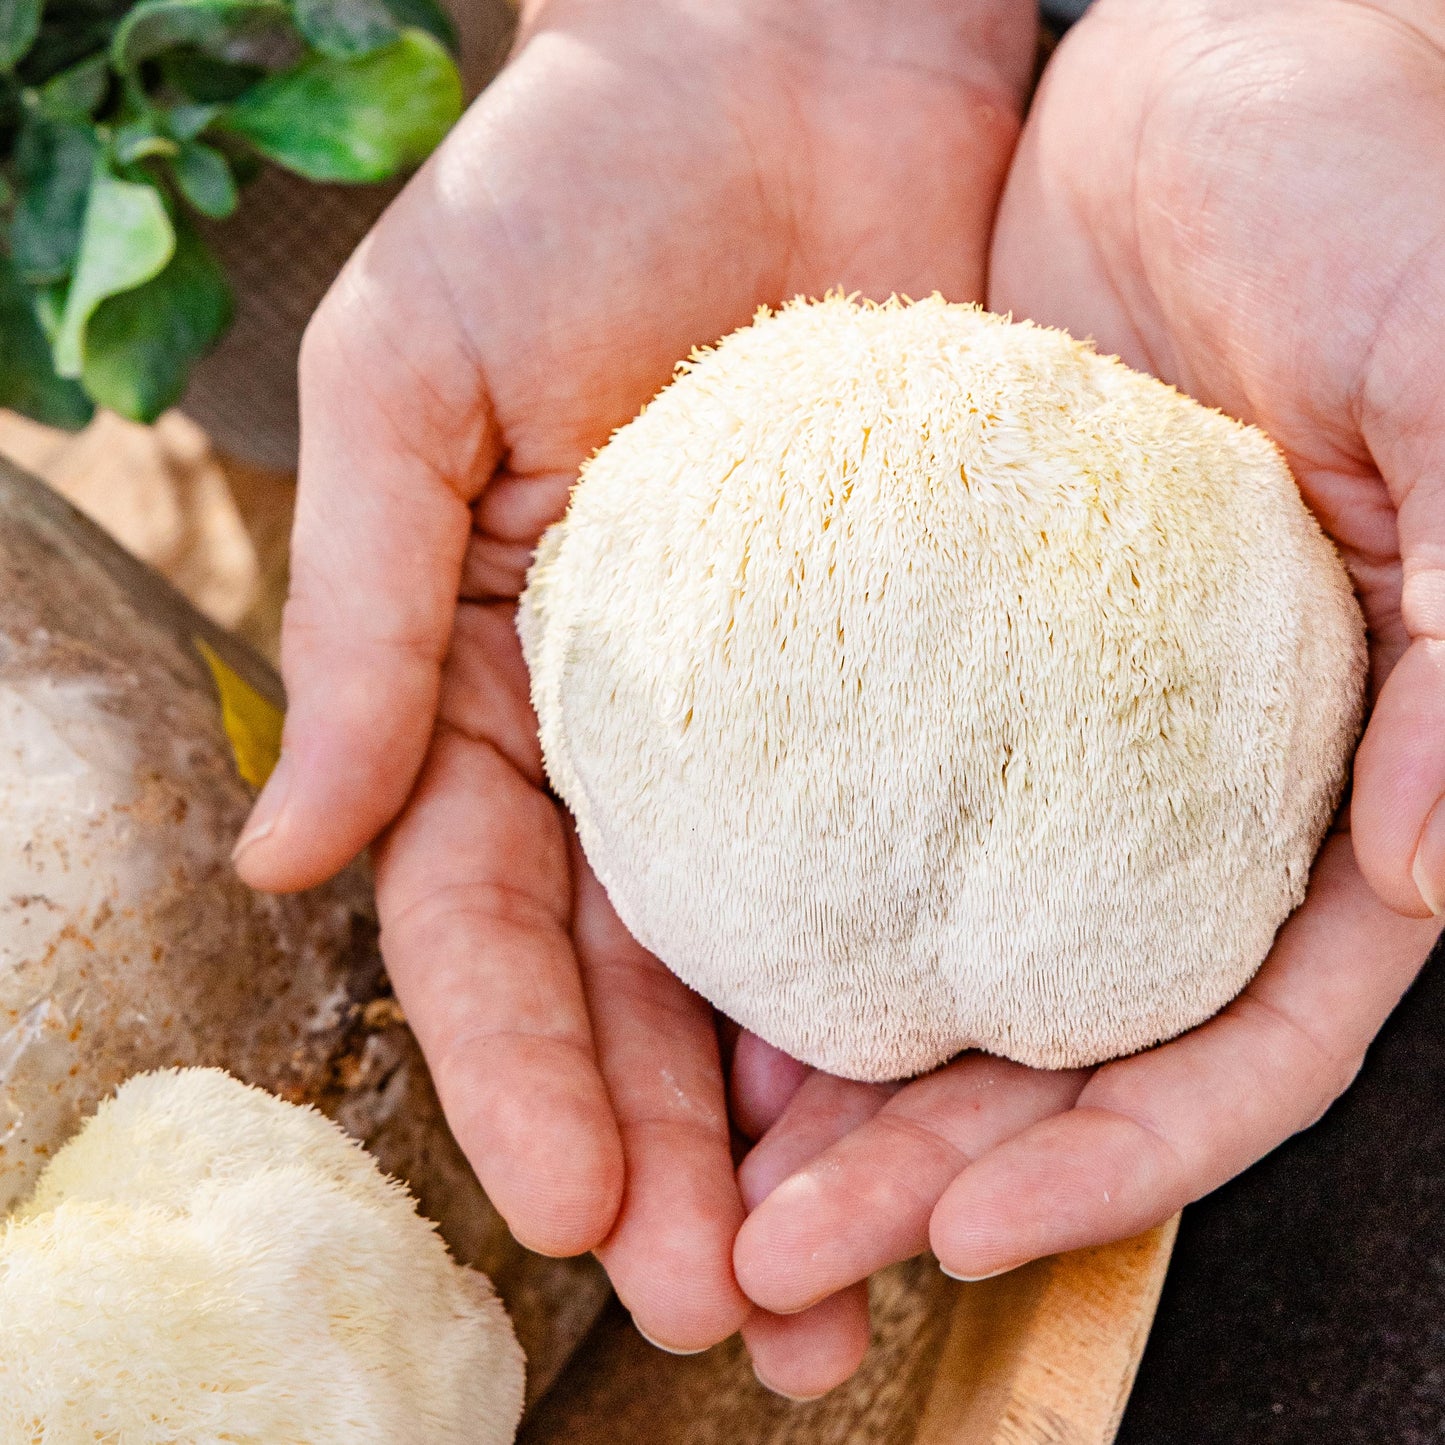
920 681
205 1262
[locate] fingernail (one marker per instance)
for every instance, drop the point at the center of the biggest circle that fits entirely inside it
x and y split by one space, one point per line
267 810
796 1399
666 1349
1429 869
976 1278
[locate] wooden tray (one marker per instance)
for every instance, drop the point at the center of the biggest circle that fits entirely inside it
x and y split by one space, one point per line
1045 1355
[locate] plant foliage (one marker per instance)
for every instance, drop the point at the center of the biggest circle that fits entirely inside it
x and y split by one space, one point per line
121 121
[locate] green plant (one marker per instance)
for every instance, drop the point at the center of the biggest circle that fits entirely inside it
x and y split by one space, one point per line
121 122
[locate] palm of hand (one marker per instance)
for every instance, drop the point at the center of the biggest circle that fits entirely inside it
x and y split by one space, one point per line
1220 198
529 291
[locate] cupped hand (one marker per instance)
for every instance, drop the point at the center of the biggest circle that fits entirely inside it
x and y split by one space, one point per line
1248 200
641 177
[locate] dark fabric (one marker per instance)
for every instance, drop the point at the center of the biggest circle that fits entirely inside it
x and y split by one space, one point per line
1306 1299
1060 14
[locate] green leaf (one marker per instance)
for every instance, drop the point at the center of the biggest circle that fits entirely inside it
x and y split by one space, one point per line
140 139
49 307
75 93
19 25
70 32
246 165
205 79
345 28
140 345
425 15
54 165
12 112
186 122
205 179
354 120
28 382
127 239
239 31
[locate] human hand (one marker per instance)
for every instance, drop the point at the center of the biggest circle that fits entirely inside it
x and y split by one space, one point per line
641 177
1246 199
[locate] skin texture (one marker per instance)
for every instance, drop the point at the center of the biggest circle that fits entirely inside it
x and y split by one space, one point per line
1244 198
642 176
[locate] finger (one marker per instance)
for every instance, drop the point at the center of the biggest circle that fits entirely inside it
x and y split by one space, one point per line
805 1355
1398 810
670 1253
764 1080
1151 1133
486 691
823 1110
396 444
475 903
865 1203
1397 814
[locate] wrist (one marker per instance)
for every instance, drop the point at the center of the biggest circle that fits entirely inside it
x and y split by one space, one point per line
989 42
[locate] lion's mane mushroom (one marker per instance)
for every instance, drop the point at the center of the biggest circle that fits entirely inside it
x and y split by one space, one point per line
206 1262
920 680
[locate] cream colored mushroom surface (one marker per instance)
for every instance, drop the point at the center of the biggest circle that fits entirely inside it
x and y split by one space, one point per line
206 1262
922 681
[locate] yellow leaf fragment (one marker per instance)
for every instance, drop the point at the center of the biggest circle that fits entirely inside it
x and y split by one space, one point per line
252 722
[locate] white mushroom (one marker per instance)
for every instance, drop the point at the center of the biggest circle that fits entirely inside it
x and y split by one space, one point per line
206 1262
923 681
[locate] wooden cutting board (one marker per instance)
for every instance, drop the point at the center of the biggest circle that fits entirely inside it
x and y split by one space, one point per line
1045 1355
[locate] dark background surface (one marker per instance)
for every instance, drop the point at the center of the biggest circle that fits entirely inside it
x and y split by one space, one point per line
1306 1299
1060 14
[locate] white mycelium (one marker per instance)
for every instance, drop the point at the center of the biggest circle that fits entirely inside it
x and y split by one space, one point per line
206 1262
922 681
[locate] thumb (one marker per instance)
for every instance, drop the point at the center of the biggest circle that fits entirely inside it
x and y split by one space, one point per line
1397 814
395 444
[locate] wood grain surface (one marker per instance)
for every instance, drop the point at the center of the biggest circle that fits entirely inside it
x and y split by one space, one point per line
1045 1355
